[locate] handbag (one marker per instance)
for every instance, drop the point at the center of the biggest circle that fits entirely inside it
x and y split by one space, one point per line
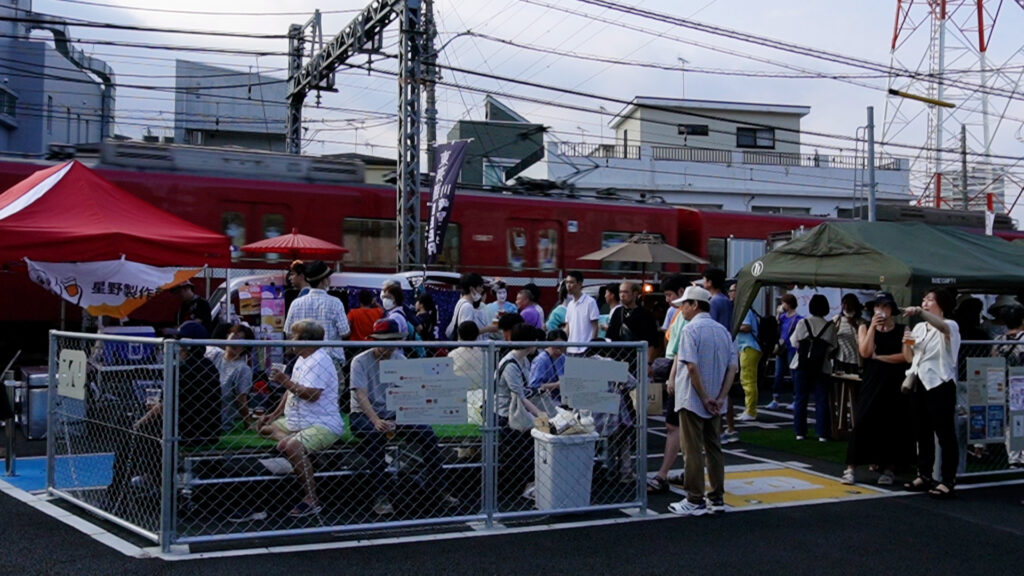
519 418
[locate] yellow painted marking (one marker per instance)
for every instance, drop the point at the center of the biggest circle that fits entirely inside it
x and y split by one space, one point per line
784 485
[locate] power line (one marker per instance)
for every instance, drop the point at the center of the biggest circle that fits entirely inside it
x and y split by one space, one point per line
110 26
200 12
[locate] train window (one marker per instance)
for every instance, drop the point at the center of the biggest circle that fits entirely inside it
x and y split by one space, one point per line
755 137
716 252
547 248
517 247
371 242
273 226
789 210
232 224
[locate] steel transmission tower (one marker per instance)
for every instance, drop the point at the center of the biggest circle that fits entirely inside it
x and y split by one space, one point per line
316 73
944 44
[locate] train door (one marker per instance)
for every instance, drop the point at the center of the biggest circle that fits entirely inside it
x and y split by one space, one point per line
533 245
246 222
739 252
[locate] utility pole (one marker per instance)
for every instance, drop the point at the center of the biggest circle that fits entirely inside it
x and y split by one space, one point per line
410 77
963 166
430 80
872 214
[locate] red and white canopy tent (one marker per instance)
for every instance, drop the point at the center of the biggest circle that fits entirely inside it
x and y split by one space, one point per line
68 213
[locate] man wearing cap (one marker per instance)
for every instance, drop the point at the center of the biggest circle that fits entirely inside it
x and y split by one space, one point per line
374 424
322 308
706 364
192 306
307 419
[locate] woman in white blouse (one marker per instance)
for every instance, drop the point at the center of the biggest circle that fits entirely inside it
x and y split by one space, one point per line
934 344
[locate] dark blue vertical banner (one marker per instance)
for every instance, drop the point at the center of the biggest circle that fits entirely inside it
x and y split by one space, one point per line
448 159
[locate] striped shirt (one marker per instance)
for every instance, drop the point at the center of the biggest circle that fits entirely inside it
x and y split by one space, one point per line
325 310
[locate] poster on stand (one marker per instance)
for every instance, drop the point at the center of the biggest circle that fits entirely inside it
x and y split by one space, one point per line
986 397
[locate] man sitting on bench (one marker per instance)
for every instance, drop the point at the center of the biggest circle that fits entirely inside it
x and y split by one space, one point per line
307 419
373 423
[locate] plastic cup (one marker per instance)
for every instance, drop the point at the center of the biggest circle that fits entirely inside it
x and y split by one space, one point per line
153 396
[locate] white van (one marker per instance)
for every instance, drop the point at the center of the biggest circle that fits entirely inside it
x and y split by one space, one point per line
443 286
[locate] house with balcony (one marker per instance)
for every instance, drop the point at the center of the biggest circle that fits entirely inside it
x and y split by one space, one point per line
739 156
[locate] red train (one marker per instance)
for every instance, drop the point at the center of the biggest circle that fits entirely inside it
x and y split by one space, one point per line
519 237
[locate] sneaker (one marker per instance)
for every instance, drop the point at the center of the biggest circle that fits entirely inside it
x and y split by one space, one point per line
745 417
448 501
531 492
730 437
303 509
383 507
716 506
773 405
885 479
847 478
247 515
789 407
820 439
801 437
686 508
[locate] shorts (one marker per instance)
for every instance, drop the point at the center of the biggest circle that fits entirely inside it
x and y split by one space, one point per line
313 439
671 416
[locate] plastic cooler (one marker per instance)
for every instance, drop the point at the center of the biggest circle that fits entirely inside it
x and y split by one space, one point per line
563 469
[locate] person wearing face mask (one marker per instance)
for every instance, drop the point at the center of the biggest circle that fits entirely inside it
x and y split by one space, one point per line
469 309
392 300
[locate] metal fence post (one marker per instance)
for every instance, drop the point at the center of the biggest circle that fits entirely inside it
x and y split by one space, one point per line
51 410
169 443
490 439
641 416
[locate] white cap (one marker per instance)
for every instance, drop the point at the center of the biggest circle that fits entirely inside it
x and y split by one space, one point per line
694 293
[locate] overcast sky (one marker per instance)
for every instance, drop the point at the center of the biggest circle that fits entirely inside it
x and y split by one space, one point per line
362 112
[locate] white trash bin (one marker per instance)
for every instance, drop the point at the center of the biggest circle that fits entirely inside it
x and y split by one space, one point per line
563 469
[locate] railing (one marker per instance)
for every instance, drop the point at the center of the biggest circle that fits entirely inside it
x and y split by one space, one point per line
182 446
584 150
728 157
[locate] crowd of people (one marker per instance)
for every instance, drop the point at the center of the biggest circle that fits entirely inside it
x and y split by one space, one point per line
906 396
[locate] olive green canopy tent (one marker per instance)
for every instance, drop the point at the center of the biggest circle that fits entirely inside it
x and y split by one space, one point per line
904 258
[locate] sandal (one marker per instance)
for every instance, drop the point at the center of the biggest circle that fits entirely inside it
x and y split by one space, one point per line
919 484
941 492
657 485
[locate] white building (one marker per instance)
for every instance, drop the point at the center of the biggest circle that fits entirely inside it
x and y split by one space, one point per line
724 155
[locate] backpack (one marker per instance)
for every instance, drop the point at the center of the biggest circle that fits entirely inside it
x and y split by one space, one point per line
767 333
419 351
813 350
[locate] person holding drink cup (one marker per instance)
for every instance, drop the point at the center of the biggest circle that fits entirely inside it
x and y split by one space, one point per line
932 346
880 436
307 419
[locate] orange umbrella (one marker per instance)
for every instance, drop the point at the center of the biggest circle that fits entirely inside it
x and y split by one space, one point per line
297 245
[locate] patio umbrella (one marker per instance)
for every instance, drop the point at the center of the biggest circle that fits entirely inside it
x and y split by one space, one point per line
297 245
646 249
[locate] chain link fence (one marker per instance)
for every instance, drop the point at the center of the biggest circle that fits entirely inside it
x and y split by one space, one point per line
990 406
188 441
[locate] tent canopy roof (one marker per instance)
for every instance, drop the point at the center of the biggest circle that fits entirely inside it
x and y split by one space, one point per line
901 257
68 213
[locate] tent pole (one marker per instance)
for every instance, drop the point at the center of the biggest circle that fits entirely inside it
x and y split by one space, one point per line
63 315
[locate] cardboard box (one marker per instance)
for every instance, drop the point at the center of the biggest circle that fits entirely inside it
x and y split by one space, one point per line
655 398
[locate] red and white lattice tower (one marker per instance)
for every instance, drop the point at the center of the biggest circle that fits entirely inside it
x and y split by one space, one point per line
940 51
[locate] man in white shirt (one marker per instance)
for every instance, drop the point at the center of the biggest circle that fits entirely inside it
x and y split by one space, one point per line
307 420
581 313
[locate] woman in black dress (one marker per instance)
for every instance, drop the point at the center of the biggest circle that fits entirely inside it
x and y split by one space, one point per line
880 435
